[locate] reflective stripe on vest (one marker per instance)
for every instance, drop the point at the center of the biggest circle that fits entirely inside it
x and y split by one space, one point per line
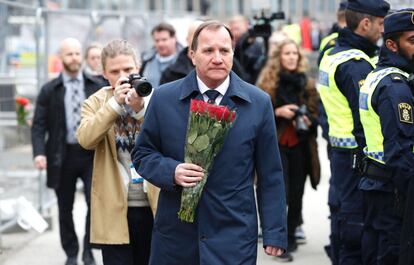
369 118
340 120
327 41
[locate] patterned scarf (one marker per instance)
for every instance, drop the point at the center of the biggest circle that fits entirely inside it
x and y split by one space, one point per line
126 130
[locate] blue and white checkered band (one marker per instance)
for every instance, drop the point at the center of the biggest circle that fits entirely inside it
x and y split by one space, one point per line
346 55
385 72
363 101
376 155
323 78
343 142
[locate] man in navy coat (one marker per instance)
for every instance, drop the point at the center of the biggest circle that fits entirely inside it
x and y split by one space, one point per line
225 228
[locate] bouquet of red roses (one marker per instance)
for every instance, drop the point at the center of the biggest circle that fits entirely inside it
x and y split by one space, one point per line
207 127
22 110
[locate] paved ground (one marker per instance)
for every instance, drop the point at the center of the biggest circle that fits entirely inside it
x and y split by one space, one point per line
33 249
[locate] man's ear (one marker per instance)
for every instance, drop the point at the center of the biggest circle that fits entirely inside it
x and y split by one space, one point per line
391 45
365 24
192 56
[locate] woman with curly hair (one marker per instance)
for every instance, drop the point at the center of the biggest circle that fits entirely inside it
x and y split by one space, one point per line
294 99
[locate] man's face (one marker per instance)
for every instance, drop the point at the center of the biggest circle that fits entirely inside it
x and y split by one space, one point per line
70 54
406 46
238 28
376 29
119 66
164 43
213 58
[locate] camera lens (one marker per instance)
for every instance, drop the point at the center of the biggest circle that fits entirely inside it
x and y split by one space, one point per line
142 87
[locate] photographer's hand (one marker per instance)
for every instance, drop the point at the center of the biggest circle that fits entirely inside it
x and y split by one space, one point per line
286 111
307 121
121 90
134 100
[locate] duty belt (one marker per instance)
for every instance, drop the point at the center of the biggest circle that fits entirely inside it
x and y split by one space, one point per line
376 171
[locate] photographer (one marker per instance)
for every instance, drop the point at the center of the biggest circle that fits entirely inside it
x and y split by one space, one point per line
248 51
292 92
121 219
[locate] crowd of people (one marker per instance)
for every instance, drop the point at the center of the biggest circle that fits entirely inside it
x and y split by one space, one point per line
128 148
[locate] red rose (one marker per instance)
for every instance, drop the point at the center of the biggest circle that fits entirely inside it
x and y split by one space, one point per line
194 106
233 116
22 101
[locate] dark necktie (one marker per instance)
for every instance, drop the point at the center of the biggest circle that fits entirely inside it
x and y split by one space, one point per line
76 103
212 95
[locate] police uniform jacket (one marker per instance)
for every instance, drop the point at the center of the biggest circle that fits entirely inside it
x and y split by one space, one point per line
350 75
398 132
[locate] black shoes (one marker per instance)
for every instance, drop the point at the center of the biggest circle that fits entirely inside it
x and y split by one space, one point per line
285 257
87 258
71 261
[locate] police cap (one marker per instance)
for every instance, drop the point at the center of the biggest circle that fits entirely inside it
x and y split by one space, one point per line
342 5
377 8
399 21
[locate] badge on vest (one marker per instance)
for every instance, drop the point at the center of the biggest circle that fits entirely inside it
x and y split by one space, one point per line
406 112
361 82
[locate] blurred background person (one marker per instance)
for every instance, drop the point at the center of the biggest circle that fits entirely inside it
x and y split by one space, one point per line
56 148
166 52
284 79
183 65
329 40
93 63
121 218
248 51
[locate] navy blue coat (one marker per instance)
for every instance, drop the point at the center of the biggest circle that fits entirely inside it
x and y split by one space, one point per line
225 228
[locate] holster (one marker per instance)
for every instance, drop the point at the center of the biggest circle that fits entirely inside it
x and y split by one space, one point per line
374 170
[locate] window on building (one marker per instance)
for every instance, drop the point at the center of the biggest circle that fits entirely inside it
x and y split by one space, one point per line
190 5
151 4
228 7
292 7
306 7
320 5
214 8
241 7
176 5
331 6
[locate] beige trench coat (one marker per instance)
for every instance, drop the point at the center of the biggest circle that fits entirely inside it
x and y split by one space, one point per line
108 196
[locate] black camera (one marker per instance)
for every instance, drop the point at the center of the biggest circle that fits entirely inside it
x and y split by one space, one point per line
301 125
262 27
140 84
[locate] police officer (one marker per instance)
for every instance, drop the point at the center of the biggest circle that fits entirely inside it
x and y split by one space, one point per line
386 102
327 43
329 40
342 72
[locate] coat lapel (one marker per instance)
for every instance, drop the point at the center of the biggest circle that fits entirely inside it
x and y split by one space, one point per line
234 93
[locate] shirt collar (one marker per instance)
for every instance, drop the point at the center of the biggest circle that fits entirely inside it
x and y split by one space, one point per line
222 89
67 78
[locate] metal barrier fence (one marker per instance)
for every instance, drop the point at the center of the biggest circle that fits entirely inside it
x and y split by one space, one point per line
29 40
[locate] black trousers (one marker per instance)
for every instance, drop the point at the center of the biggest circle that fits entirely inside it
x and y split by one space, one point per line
140 222
407 234
78 163
382 228
294 170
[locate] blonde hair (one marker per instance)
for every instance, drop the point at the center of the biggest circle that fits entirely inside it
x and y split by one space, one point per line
269 76
118 47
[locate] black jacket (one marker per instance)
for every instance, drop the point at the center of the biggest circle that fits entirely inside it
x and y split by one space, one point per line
49 124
